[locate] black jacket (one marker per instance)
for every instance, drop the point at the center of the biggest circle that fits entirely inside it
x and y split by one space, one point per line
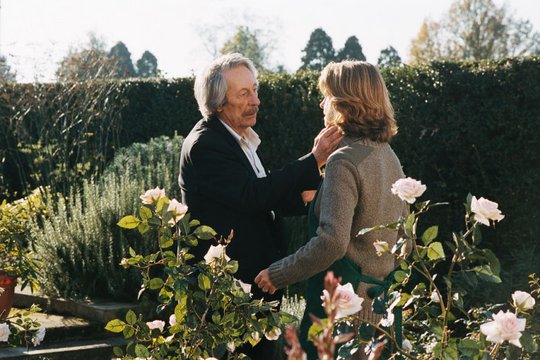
221 190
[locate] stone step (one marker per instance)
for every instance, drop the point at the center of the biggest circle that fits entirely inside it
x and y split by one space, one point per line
69 350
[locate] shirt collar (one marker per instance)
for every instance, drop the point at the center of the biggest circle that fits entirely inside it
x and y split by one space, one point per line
251 138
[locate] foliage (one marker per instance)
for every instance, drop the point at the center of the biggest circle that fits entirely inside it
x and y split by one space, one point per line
5 71
389 57
351 51
474 30
18 256
437 324
121 58
147 65
318 52
91 61
79 244
210 312
20 329
246 42
474 118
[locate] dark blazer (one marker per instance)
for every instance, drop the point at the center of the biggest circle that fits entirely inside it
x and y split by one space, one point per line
221 190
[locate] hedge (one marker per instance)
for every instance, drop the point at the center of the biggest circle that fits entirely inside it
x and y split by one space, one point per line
464 127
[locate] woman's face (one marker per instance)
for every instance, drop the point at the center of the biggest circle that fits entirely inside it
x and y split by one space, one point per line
325 105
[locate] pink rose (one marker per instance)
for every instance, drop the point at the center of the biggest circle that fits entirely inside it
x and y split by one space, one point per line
485 210
178 209
152 196
408 189
156 324
506 326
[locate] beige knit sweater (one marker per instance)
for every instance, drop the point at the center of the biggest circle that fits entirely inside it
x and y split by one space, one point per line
355 194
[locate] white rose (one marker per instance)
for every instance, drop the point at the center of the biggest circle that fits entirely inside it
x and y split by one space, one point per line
172 320
485 210
178 209
152 196
4 332
349 302
245 287
38 337
215 252
506 326
381 247
523 300
156 324
408 189
407 345
435 297
273 334
231 347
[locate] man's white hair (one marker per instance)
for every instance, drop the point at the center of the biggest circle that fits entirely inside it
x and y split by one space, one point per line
210 85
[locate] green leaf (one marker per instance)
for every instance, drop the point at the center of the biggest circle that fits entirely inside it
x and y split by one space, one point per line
115 326
494 263
145 213
155 283
143 227
400 276
194 223
132 252
368 230
204 281
204 232
141 351
118 351
435 251
166 242
430 234
129 222
315 329
410 225
131 318
469 347
484 272
161 202
528 343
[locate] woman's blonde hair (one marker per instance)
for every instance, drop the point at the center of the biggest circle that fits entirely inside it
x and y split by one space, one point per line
359 101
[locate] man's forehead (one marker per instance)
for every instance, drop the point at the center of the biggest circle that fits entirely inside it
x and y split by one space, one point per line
239 77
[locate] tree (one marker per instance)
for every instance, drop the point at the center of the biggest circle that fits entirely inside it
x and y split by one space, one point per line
86 63
121 57
351 51
389 57
5 71
147 65
246 43
474 30
319 51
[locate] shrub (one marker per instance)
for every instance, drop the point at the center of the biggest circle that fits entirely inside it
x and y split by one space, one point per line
79 243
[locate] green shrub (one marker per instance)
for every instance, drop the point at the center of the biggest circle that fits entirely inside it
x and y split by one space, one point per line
80 243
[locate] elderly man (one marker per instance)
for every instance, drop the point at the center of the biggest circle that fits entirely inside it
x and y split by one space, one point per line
223 180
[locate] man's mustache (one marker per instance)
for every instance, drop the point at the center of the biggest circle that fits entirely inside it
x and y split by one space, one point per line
253 111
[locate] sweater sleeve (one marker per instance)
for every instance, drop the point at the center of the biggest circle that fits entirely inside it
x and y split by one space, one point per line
338 197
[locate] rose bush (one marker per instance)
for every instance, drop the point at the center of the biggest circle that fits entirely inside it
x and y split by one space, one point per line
210 313
437 324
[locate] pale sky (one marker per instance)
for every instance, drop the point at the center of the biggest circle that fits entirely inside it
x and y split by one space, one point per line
36 34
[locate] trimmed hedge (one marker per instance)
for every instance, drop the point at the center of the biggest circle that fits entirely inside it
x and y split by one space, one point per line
464 127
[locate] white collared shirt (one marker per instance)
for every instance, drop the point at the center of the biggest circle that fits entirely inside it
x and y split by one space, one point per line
249 145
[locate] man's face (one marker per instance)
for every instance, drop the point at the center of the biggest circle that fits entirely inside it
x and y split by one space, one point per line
240 109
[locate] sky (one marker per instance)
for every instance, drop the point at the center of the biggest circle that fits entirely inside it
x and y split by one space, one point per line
184 35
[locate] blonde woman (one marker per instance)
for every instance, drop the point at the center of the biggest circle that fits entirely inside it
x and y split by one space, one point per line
354 194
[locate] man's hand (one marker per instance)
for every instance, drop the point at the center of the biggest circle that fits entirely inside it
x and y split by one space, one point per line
325 143
264 283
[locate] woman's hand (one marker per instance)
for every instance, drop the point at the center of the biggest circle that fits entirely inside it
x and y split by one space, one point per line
264 283
308 195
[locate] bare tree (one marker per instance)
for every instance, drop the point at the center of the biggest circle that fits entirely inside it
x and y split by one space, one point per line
474 30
